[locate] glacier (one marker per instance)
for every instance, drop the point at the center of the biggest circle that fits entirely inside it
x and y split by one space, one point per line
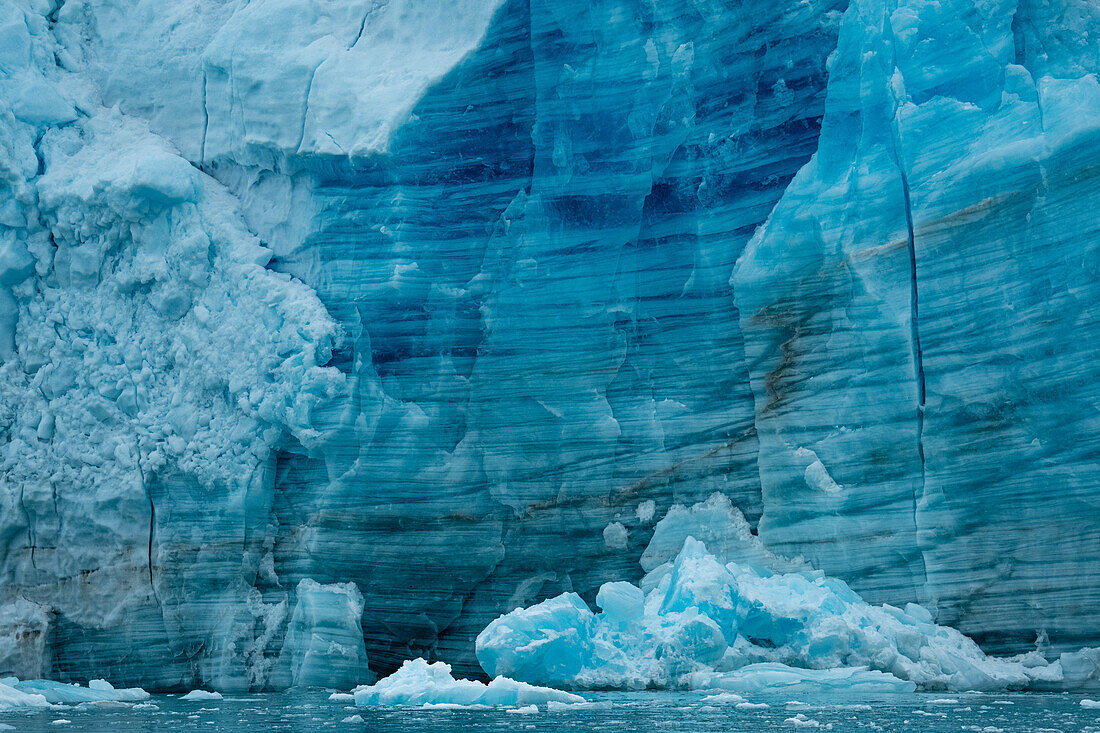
330 332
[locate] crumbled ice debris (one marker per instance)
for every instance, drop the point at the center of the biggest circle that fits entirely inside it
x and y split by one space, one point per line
741 627
202 695
817 476
1086 703
353 719
525 710
342 697
724 530
615 536
421 683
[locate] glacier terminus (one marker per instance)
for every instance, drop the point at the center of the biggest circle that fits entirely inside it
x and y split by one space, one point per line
486 352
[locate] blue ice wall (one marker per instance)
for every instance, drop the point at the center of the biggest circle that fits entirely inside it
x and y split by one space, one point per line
452 299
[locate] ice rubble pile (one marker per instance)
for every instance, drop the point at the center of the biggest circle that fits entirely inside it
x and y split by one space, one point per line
16 693
421 683
697 622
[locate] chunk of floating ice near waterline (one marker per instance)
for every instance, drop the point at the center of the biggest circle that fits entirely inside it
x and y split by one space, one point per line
420 683
202 695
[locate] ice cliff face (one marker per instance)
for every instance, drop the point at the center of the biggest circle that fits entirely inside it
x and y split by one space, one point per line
453 300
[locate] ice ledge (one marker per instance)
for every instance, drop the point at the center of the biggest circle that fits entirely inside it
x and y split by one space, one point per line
295 77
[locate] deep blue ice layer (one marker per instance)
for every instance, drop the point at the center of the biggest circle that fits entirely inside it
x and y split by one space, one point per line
683 712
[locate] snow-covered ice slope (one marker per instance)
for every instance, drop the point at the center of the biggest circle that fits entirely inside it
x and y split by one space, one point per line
452 301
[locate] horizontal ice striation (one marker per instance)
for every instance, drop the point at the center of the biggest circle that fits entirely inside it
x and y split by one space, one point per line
535 286
531 272
512 227
701 624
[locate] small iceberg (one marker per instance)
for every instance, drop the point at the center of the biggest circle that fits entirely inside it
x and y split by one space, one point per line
421 683
202 695
15 693
11 698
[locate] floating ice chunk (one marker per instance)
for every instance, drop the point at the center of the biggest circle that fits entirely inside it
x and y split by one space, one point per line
202 695
1092 704
96 691
724 697
567 707
342 697
421 683
646 510
801 721
752 706
11 698
61 721
525 710
353 719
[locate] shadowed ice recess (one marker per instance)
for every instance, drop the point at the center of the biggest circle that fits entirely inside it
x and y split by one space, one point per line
340 334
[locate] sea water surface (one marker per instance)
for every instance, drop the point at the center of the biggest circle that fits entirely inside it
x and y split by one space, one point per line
613 712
